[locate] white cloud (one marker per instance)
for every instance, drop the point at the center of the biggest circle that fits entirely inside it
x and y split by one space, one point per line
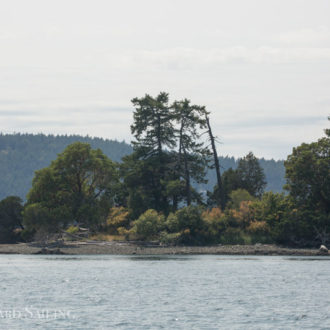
191 59
76 62
320 34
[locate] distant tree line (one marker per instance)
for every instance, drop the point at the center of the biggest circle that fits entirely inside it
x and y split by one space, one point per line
23 154
150 194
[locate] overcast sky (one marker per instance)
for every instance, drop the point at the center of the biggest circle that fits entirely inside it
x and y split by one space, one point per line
262 67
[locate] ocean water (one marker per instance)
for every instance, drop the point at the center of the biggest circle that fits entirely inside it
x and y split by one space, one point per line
164 292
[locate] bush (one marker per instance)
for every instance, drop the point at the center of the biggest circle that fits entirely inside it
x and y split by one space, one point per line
215 223
190 217
72 230
149 224
238 196
190 224
36 216
172 223
117 218
259 231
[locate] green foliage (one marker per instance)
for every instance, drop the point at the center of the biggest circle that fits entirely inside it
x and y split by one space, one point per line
308 175
308 182
274 172
236 197
248 175
168 161
188 223
215 224
23 154
287 224
190 218
192 157
231 181
10 218
153 126
251 175
157 175
118 219
38 216
72 230
149 224
77 186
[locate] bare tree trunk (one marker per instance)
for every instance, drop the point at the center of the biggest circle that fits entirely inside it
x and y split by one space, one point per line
220 193
187 177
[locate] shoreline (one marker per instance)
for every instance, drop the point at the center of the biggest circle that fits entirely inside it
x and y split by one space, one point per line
127 248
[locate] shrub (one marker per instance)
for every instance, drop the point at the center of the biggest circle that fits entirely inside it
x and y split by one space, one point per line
238 196
259 231
72 230
190 224
117 218
172 223
149 224
190 217
215 223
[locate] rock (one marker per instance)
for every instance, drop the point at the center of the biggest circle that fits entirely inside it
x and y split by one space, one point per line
323 249
48 251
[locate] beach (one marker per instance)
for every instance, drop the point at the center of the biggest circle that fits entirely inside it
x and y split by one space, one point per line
134 248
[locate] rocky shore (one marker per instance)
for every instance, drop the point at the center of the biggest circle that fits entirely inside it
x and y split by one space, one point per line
130 248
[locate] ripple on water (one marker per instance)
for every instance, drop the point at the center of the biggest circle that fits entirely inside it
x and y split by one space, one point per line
170 292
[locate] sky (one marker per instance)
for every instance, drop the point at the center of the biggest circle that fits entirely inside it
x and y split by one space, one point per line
262 68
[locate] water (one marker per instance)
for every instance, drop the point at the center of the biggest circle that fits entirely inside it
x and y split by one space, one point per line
164 292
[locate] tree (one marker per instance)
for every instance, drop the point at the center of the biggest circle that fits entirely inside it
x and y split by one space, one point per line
77 187
308 174
167 154
308 182
231 181
153 127
218 193
141 180
10 218
193 156
146 170
251 175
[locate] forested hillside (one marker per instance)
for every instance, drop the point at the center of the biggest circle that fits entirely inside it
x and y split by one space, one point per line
274 172
22 154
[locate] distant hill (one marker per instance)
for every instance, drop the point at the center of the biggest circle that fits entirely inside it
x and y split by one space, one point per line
274 172
22 154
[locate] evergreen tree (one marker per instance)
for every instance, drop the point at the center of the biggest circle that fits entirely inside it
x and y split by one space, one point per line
193 156
147 170
251 175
